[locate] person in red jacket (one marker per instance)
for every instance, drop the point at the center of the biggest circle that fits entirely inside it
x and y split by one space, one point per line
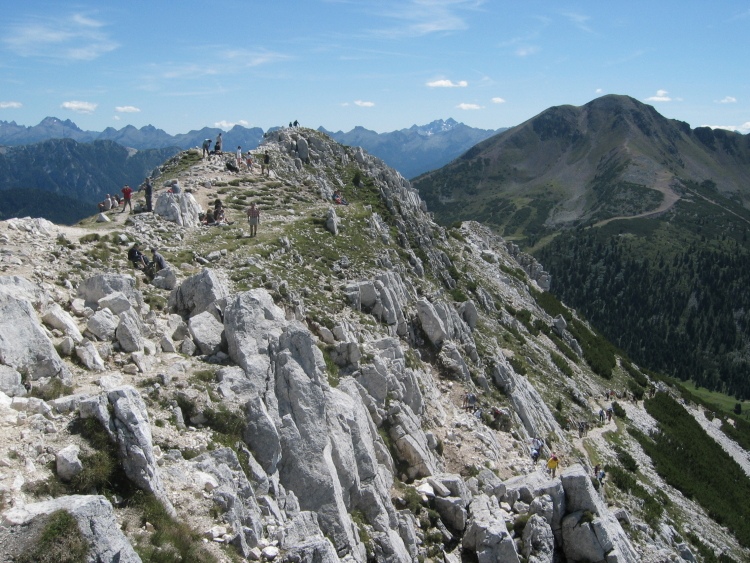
127 191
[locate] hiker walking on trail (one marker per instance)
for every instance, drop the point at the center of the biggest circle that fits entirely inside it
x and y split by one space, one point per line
552 464
265 167
253 219
601 416
470 401
610 412
127 192
238 157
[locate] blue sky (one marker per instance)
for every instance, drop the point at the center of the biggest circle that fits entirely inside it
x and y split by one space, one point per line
382 64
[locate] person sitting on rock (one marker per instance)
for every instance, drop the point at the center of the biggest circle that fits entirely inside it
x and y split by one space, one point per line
338 199
158 260
208 218
139 260
105 205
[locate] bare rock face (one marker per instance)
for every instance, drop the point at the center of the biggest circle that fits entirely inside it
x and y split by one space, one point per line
95 518
92 289
486 534
67 463
207 332
178 208
235 496
56 317
11 382
129 427
590 529
197 294
21 288
24 344
89 356
332 221
538 541
536 417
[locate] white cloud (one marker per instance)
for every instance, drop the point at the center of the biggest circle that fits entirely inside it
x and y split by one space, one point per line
744 128
598 91
10 105
661 96
579 20
79 107
255 58
415 18
468 106
127 109
116 117
75 38
728 100
445 83
227 125
364 104
498 100
526 51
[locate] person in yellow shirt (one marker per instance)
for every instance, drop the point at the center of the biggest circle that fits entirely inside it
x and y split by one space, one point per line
552 464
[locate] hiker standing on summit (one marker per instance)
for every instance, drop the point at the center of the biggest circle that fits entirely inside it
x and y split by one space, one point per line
149 189
127 191
265 167
206 148
217 144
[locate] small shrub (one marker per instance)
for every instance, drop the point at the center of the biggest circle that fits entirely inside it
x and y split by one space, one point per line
627 460
91 237
587 517
561 364
618 410
520 523
172 541
413 500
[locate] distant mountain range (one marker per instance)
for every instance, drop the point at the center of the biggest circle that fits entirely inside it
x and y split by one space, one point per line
147 137
417 149
411 151
643 222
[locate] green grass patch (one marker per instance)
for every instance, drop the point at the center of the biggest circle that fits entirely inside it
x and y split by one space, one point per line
61 541
172 541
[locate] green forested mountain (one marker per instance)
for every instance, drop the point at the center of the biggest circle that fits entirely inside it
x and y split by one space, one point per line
673 292
642 222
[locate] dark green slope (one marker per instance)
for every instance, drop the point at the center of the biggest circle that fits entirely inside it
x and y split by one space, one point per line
39 203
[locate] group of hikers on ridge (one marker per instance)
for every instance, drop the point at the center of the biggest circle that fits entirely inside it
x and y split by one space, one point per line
112 202
240 161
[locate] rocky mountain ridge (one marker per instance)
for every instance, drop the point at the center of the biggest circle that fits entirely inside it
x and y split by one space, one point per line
356 383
